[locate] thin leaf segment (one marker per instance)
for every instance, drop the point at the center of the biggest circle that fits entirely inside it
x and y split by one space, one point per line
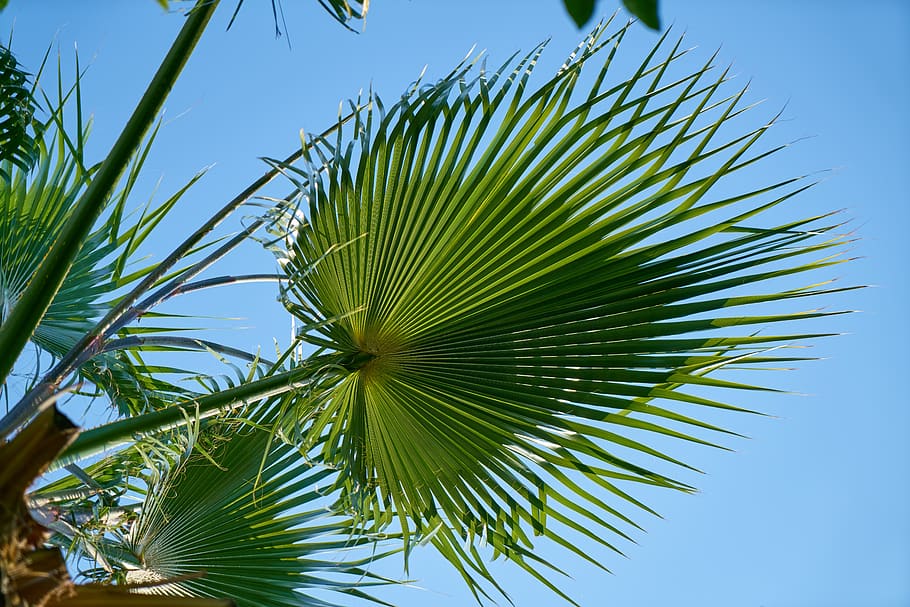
527 283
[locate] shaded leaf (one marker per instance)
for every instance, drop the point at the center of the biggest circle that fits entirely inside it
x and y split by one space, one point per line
34 208
248 519
44 284
581 11
646 10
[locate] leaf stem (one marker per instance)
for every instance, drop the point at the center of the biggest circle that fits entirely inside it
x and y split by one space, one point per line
183 343
97 440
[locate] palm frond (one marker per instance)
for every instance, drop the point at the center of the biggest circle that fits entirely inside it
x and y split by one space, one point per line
246 517
528 283
17 107
34 208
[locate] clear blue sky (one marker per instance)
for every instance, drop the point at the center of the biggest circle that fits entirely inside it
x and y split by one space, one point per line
814 509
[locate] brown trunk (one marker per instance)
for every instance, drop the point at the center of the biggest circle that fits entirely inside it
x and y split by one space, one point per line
29 572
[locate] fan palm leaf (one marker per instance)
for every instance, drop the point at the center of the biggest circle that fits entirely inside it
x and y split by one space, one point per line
17 106
248 518
525 284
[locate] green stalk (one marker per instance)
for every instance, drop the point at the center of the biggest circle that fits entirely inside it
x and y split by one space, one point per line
182 343
25 316
219 281
97 440
29 310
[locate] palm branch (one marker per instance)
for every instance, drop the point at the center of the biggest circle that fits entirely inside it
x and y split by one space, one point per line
531 291
242 516
17 106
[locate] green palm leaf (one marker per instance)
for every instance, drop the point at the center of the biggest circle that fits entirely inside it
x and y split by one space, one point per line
17 106
249 519
34 208
526 284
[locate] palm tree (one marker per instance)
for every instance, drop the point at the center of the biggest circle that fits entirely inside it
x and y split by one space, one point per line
517 299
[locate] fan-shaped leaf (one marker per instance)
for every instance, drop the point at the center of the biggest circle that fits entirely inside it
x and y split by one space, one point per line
527 283
250 520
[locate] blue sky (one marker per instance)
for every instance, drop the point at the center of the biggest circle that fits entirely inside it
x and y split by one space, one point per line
813 509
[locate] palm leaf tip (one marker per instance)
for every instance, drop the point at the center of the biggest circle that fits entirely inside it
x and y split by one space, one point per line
530 291
340 10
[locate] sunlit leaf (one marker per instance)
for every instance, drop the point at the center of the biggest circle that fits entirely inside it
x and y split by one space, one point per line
534 289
